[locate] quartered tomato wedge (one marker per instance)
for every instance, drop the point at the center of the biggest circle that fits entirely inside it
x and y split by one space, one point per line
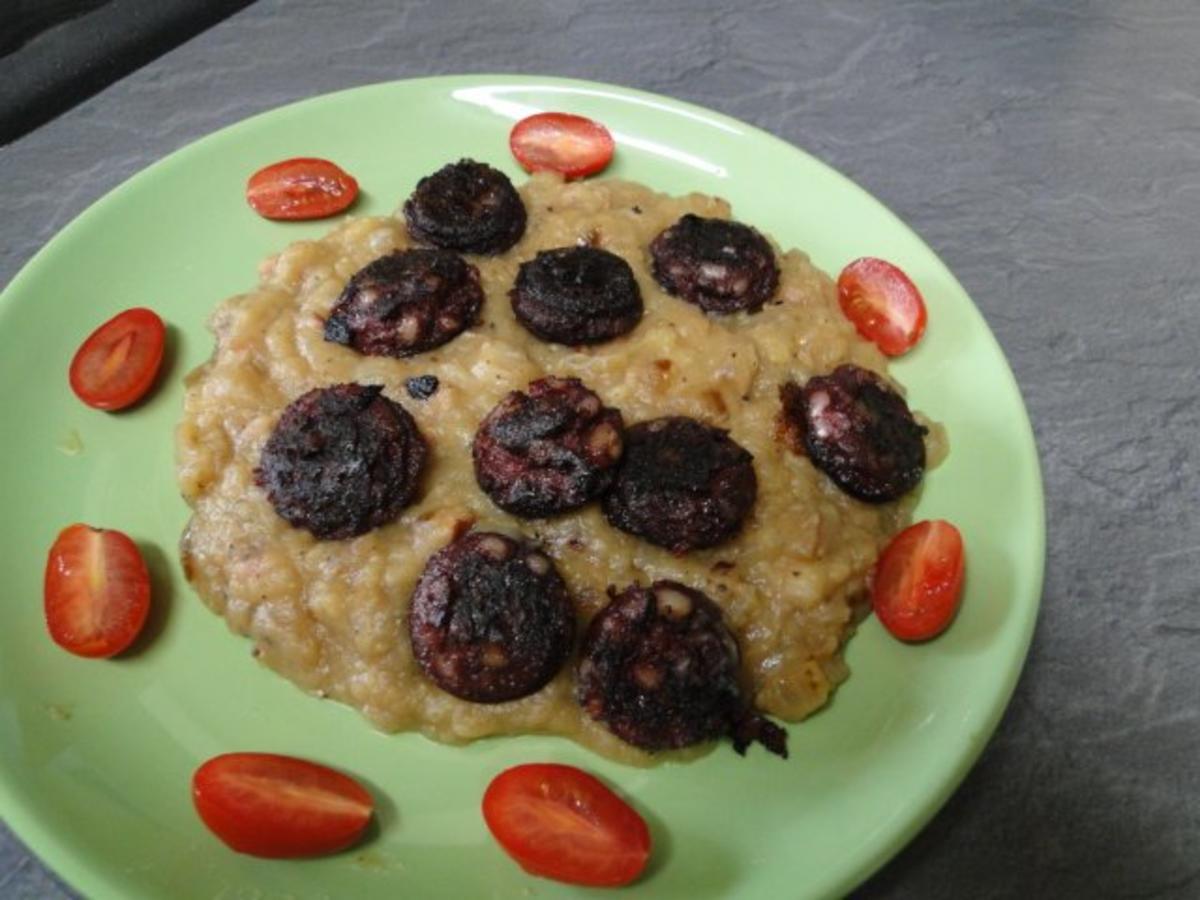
301 188
571 145
884 305
117 363
918 580
562 823
280 807
96 592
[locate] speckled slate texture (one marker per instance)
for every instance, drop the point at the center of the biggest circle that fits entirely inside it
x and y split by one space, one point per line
1050 153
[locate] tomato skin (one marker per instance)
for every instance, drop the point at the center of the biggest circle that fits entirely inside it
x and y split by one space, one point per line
560 822
301 188
280 807
116 364
573 146
917 582
96 592
883 303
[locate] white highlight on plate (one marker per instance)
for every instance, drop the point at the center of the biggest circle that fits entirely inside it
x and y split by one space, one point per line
490 98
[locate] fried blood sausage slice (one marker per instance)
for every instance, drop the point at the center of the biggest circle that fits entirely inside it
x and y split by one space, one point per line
406 303
491 619
659 668
466 206
341 461
682 485
721 266
547 451
856 430
577 295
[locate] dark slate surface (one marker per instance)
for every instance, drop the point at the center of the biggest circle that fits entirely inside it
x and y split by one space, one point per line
54 53
1050 155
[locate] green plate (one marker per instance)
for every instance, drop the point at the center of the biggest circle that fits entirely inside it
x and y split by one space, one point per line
96 756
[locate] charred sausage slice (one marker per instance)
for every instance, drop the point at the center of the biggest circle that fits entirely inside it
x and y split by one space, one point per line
547 451
341 461
682 484
491 619
721 266
858 431
406 303
576 295
659 668
466 206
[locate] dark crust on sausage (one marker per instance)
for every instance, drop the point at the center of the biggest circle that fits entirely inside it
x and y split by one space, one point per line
547 451
406 303
341 461
721 266
577 295
466 206
659 668
485 626
682 485
856 430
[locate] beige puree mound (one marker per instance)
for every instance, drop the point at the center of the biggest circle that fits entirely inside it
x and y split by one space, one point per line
331 615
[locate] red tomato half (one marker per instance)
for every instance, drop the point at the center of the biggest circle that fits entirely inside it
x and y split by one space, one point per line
280 807
561 823
96 591
301 188
884 305
117 363
918 580
561 142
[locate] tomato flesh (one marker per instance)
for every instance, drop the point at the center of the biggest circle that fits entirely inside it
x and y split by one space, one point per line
301 188
115 366
559 822
917 583
280 807
96 591
571 145
883 303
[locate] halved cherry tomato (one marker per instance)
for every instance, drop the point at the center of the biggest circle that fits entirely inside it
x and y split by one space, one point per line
280 807
561 142
560 822
117 363
884 305
96 592
302 188
918 580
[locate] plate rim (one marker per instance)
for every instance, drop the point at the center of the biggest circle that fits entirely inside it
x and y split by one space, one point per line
58 857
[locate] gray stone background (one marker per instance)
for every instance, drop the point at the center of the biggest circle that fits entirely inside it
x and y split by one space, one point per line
1050 153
